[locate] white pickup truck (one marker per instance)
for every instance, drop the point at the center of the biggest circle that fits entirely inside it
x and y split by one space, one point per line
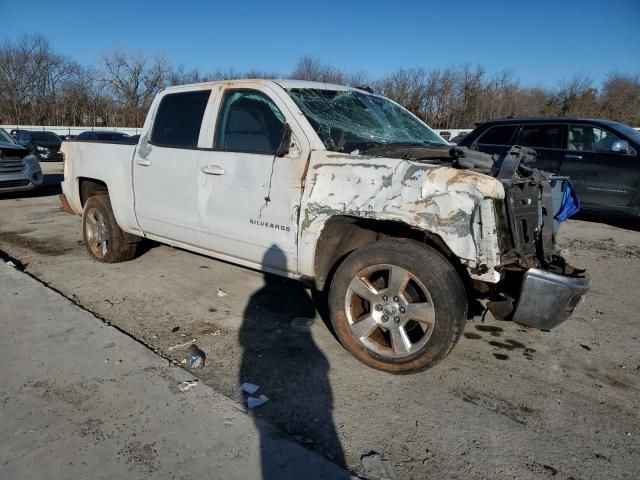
342 189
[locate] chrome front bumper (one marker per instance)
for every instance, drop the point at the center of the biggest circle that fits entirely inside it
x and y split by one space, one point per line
548 299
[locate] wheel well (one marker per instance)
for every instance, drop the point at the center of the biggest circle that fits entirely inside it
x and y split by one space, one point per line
90 187
342 235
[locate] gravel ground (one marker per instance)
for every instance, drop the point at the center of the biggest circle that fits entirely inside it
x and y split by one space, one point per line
507 403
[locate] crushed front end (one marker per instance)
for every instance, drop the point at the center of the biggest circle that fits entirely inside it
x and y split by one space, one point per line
538 287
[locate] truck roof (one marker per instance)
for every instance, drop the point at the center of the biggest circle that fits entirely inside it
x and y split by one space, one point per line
284 83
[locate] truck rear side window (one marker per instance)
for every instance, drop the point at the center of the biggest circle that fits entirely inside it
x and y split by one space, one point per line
179 118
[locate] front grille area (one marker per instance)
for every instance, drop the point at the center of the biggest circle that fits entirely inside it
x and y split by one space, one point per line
13 183
11 165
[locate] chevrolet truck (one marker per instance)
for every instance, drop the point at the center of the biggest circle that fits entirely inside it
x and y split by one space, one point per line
344 190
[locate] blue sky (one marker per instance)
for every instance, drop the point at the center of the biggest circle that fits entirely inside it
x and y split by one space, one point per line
540 41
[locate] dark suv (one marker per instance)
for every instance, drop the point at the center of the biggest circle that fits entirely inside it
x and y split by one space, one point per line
44 145
600 156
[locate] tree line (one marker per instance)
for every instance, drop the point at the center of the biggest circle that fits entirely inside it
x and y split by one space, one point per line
39 86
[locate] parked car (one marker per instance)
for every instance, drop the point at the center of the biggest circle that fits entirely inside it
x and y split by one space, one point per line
458 138
43 144
19 168
105 136
339 188
600 156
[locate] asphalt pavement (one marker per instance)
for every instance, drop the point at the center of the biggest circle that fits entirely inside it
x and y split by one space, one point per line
81 399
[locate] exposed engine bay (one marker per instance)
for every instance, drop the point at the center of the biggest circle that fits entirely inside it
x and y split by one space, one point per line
527 222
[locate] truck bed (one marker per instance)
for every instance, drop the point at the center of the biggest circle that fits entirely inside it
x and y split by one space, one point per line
107 162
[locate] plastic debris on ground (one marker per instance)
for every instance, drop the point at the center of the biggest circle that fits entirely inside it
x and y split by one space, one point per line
182 345
195 357
188 385
222 293
254 402
375 468
11 264
302 324
249 388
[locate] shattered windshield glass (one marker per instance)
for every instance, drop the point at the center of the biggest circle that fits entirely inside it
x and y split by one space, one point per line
347 121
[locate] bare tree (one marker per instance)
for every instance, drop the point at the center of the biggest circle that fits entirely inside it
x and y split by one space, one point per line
621 98
40 86
134 80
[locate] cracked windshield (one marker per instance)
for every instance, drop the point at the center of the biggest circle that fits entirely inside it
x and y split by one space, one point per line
353 122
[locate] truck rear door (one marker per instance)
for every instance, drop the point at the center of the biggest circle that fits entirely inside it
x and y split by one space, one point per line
165 168
248 197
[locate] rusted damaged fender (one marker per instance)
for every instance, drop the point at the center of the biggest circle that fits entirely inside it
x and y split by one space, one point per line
454 204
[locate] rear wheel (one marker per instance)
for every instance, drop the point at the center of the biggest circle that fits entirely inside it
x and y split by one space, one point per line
103 237
398 306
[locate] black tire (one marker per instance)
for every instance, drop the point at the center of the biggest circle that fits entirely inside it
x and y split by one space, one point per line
111 244
433 306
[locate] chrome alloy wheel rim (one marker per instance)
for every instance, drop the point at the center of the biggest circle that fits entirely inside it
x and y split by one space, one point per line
97 233
389 310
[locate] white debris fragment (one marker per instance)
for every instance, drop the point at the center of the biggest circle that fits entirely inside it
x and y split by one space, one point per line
222 293
249 388
253 402
189 384
11 264
375 468
175 347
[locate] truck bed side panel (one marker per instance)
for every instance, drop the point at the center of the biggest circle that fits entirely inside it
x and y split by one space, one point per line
110 163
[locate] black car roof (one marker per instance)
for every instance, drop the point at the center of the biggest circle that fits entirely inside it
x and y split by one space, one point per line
105 131
32 131
519 120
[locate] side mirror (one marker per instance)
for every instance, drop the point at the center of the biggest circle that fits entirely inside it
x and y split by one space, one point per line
285 143
620 146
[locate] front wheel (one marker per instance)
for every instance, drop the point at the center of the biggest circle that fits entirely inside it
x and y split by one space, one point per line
103 237
397 305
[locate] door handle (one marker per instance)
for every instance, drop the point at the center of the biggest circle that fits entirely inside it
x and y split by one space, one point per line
143 163
576 157
212 170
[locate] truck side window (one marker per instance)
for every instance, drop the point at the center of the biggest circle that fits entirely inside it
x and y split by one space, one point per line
249 121
590 139
179 118
541 136
501 135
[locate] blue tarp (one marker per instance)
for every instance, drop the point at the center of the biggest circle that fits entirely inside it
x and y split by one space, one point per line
570 204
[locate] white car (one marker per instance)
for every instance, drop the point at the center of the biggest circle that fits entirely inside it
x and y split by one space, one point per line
342 189
19 169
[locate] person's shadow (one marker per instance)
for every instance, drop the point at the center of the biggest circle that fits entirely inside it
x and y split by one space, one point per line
289 368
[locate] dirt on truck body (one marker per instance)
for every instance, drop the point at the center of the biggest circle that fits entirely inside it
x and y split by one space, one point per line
345 190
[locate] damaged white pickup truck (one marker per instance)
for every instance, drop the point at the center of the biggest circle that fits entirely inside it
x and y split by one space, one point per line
340 188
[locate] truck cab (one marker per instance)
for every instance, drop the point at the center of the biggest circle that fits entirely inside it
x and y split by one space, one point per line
344 190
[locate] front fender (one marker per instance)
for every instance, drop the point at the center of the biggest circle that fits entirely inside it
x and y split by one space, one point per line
438 199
